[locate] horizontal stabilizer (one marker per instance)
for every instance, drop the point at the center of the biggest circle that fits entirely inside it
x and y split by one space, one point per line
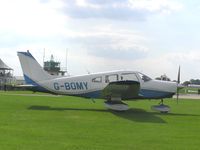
25 86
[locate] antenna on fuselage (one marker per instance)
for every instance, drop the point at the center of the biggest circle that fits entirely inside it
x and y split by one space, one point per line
43 57
88 72
66 63
66 60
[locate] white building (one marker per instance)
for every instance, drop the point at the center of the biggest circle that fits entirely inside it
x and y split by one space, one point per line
6 75
19 80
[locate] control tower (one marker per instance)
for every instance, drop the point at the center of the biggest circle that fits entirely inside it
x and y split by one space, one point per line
53 67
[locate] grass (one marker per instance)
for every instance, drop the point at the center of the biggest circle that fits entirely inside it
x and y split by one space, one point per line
63 122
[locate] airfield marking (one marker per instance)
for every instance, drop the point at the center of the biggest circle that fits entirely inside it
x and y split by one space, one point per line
188 96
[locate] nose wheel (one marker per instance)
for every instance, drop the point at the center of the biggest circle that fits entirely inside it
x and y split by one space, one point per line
161 107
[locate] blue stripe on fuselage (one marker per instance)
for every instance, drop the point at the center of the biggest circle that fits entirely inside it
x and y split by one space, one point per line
151 94
146 94
94 94
30 81
36 87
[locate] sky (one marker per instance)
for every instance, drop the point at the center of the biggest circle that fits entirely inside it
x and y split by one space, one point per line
150 36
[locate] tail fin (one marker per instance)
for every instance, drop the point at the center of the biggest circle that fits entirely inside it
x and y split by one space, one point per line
32 70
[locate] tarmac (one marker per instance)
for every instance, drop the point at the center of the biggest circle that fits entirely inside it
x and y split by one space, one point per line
188 96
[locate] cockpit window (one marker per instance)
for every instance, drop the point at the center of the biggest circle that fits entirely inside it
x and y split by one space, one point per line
144 77
129 76
111 78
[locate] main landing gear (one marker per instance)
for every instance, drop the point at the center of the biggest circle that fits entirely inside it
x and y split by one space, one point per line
161 107
116 105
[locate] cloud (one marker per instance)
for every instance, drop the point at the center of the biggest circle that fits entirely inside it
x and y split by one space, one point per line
160 6
114 47
135 10
110 42
108 10
101 42
24 22
168 64
193 55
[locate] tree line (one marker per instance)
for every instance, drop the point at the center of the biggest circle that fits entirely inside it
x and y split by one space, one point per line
186 83
192 81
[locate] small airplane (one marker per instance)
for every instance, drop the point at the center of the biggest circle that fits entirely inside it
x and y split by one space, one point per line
113 86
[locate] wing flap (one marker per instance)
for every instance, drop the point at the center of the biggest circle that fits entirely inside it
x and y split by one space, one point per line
122 89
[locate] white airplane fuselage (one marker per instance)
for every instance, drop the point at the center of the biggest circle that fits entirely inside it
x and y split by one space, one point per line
91 85
113 86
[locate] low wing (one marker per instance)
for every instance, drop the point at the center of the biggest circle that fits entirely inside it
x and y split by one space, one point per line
122 89
25 86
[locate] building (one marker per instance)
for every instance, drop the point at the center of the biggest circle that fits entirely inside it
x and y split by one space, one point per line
6 75
19 80
53 67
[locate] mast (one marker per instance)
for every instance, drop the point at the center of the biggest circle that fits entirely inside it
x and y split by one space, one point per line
43 57
66 60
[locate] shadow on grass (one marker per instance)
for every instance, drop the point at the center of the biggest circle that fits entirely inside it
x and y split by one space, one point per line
133 114
35 107
139 115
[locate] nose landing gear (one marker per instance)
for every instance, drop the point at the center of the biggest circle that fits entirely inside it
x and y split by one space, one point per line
161 107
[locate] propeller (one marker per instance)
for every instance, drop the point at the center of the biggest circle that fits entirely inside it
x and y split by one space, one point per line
178 82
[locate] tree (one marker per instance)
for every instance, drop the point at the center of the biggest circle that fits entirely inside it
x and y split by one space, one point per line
195 81
186 83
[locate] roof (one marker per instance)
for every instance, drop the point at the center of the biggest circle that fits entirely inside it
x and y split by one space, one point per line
3 66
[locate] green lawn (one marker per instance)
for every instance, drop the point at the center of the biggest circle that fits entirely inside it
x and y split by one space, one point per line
62 123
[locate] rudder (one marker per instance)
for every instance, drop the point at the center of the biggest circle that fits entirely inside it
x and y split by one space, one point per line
32 70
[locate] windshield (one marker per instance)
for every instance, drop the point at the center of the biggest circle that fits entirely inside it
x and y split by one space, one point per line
144 77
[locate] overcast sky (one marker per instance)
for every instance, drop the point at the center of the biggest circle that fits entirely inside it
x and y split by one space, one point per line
151 36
